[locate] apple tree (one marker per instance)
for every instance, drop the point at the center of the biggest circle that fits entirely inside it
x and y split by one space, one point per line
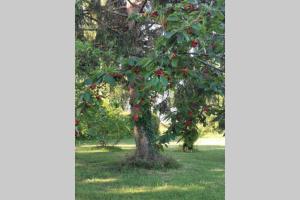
160 48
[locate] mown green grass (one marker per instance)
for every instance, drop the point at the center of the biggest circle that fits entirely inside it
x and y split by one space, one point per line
200 177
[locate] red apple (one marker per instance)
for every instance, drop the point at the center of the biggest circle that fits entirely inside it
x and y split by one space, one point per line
159 72
195 43
154 14
135 117
93 86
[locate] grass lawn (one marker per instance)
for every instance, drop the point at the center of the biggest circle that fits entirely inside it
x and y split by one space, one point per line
200 177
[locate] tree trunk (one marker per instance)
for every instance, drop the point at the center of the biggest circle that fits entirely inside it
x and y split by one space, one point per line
187 147
144 146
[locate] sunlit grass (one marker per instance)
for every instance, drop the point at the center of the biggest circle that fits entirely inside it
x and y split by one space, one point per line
99 180
201 175
128 190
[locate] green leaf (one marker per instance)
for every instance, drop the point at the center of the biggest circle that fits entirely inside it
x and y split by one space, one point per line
154 81
146 61
193 1
99 77
196 27
131 61
78 112
110 80
164 82
174 62
87 96
88 81
186 36
173 18
168 35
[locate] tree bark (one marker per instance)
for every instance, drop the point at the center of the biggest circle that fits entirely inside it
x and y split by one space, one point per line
144 147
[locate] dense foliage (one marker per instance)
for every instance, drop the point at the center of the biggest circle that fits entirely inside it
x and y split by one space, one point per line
98 108
168 51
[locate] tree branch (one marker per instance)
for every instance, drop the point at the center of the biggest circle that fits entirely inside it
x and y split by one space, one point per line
117 13
134 5
211 66
144 4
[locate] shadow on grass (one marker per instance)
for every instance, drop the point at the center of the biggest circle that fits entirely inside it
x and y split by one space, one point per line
201 175
101 148
164 192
